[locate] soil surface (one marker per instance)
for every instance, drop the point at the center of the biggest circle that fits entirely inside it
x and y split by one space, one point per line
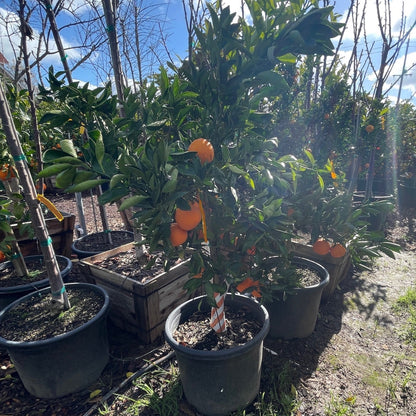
36 319
94 243
197 333
36 269
356 357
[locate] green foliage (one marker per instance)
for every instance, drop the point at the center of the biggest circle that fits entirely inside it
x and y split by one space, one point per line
219 94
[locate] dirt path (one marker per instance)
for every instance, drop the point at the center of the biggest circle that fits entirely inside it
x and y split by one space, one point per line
356 359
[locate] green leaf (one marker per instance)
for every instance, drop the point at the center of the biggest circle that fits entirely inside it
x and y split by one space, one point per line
132 201
99 146
67 146
53 170
113 195
86 185
52 154
288 58
66 177
83 176
116 179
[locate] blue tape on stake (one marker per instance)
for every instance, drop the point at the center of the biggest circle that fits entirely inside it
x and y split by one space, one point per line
64 58
60 292
46 243
107 231
19 157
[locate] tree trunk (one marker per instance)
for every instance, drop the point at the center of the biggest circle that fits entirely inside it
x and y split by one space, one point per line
59 294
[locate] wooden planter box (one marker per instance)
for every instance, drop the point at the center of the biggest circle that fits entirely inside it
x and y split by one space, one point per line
61 233
139 308
338 268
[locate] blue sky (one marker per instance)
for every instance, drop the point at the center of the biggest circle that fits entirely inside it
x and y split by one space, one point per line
172 10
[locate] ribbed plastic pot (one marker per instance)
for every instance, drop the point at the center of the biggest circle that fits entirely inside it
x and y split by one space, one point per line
66 363
82 254
219 382
295 314
12 293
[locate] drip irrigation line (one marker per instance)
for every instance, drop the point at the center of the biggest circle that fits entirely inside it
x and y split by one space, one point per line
143 370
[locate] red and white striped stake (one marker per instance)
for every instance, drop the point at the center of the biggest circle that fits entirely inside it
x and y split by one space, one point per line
217 314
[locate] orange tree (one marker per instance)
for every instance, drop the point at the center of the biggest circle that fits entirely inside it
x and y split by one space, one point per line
241 190
219 95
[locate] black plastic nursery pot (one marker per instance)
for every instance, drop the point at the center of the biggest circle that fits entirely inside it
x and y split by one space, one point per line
11 293
96 240
66 363
407 196
294 314
219 382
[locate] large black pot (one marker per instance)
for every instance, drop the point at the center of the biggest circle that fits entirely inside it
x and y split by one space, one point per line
66 363
219 382
12 293
294 314
120 237
407 196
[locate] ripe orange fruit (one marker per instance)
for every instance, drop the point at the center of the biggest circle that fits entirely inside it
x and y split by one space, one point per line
246 283
2 256
199 275
177 235
321 246
251 251
338 250
204 150
188 220
369 128
38 187
249 282
6 172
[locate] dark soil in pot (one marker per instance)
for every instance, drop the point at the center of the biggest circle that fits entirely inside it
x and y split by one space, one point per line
36 268
141 269
94 243
35 320
196 332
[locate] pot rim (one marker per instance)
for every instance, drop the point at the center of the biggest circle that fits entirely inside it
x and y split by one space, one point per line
91 253
29 344
220 354
39 284
319 268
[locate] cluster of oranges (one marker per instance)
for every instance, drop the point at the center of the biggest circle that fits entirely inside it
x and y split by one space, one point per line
322 247
187 220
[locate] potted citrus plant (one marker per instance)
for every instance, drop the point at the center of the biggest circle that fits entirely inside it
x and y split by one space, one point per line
226 179
51 364
331 229
88 158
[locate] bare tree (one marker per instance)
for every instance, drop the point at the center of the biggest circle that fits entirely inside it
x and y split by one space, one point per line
392 44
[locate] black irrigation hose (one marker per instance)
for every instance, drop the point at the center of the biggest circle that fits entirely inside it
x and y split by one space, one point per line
144 369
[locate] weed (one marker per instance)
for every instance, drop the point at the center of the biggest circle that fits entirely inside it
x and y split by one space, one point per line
160 392
280 398
407 304
340 407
